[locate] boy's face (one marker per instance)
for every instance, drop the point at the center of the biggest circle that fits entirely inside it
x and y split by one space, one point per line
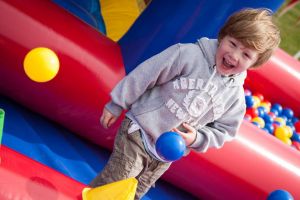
233 57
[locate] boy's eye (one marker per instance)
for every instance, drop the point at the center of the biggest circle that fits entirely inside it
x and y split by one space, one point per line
246 55
232 43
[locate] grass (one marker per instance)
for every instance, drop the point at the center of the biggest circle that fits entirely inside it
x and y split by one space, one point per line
290 31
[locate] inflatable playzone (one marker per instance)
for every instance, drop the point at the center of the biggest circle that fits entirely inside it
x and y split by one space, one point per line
61 58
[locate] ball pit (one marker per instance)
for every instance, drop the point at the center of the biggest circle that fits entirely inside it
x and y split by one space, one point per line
274 119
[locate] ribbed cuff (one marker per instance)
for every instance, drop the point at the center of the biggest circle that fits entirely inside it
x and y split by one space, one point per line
113 108
198 141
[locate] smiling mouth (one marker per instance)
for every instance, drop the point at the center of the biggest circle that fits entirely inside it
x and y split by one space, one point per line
227 64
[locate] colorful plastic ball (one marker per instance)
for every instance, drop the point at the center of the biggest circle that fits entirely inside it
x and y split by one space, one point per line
247 117
281 132
284 118
271 114
267 105
259 95
280 120
290 124
295 119
286 140
170 146
260 121
277 107
289 129
268 119
280 195
276 125
295 137
256 101
41 64
256 124
274 111
269 127
247 92
289 113
262 111
252 112
249 101
297 126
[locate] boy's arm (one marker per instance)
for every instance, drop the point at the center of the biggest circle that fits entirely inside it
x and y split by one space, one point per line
224 129
156 70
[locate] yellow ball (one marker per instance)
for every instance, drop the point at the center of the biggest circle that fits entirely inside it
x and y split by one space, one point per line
41 64
281 132
266 106
280 120
256 101
260 121
286 141
290 130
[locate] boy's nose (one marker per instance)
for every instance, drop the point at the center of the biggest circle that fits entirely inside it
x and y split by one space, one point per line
233 57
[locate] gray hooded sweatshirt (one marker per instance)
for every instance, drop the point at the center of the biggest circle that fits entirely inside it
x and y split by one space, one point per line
178 85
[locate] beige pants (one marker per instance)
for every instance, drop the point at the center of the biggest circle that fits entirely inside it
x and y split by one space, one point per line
130 159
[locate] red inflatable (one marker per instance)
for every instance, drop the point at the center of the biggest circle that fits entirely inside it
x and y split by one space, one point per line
90 65
19 181
250 167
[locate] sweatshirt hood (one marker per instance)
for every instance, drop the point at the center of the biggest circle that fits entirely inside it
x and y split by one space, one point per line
209 48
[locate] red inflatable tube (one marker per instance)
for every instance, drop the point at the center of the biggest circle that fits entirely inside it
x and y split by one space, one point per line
250 167
90 65
24 178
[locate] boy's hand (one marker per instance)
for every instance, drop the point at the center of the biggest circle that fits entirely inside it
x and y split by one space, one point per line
107 119
188 136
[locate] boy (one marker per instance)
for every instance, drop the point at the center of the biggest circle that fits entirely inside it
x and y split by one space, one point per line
193 89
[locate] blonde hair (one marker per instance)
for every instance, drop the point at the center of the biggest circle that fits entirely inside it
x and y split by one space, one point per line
255 29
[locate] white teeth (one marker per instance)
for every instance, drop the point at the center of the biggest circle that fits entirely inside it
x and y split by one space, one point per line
227 64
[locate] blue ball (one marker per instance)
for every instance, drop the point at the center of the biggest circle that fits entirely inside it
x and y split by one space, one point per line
262 111
249 101
294 120
273 110
277 107
256 124
289 113
295 137
280 195
170 146
290 124
268 119
284 117
269 127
